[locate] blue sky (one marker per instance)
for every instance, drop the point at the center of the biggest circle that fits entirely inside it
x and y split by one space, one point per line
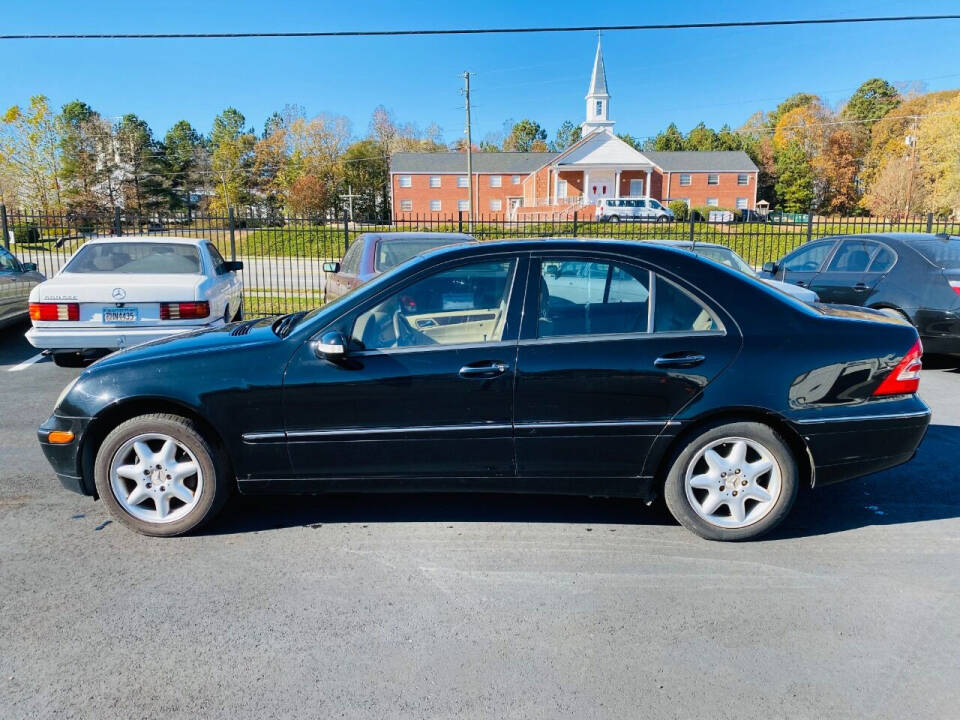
718 76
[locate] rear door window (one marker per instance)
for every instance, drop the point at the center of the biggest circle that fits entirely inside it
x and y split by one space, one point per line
883 260
853 256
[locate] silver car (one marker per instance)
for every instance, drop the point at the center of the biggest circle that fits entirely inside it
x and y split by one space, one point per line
17 279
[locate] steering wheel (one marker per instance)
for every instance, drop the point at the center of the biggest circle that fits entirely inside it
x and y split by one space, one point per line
402 331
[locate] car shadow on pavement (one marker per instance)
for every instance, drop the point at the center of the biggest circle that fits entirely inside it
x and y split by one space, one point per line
878 499
950 363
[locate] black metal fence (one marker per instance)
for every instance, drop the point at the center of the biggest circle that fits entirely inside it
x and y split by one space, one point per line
283 256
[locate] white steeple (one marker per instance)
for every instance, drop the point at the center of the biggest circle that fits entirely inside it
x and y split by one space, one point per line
598 99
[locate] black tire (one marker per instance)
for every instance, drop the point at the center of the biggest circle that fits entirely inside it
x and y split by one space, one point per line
663 219
674 490
216 485
613 219
70 360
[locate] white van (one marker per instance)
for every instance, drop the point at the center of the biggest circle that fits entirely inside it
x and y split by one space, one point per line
626 209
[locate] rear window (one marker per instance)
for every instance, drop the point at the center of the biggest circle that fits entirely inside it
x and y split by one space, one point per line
139 258
391 253
942 252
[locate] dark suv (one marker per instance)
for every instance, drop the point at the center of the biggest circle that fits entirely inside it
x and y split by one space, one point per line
911 275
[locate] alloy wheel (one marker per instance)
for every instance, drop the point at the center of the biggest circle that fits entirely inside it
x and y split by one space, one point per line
156 478
733 482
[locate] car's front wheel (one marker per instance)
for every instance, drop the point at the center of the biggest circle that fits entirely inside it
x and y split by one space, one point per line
733 481
160 476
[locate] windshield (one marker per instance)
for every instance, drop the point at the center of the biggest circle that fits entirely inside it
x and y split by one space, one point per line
392 252
138 258
724 256
943 251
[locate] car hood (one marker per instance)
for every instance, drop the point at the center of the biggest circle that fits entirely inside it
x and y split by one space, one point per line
100 287
790 289
207 340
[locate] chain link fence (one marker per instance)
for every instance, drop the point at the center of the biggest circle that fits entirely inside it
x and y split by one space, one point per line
283 256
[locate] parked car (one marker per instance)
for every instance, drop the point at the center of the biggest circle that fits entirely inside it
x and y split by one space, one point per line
17 279
725 256
911 275
375 253
470 369
118 292
630 209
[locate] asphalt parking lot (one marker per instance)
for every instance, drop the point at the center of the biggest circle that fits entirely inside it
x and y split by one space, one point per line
477 606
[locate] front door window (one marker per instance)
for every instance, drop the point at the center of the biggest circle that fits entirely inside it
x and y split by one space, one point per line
463 305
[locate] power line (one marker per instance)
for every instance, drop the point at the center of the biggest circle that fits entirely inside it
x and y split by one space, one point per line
478 31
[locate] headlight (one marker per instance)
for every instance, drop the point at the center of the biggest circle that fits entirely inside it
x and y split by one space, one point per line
65 391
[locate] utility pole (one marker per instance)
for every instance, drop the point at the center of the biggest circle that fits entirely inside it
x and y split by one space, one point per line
911 140
467 131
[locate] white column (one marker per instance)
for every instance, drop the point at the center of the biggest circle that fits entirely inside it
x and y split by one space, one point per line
587 197
646 185
556 183
616 184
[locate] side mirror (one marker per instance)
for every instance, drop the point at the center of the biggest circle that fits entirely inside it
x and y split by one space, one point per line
29 267
232 266
770 267
330 344
331 267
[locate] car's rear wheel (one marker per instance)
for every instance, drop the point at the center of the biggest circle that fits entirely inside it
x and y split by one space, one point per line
663 219
733 481
160 476
613 219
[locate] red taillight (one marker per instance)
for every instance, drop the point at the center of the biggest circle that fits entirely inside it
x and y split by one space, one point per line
54 311
955 284
184 310
904 379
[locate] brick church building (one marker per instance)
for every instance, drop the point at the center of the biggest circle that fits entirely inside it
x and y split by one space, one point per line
510 185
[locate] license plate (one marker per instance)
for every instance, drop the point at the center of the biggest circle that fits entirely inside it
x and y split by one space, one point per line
120 315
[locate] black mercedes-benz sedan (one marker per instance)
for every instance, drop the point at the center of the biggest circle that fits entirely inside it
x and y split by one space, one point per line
911 275
552 366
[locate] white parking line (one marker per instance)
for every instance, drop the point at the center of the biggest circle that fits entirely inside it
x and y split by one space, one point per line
27 363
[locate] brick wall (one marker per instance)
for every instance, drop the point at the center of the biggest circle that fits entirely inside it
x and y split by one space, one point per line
726 190
420 194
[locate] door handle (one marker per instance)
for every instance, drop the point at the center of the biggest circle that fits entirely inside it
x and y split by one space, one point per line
483 370
801 283
679 360
860 287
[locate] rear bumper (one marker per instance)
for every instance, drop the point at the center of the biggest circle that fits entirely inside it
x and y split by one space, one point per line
852 444
939 331
66 459
111 338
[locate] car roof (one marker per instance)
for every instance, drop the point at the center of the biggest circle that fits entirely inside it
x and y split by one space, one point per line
902 237
146 239
688 245
461 237
559 244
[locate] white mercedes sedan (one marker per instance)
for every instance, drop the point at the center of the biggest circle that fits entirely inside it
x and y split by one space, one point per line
117 292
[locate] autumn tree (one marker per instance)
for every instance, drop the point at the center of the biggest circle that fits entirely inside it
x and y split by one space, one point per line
29 149
836 168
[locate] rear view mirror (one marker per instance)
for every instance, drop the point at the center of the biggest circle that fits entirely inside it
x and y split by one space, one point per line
232 266
29 267
770 267
331 267
330 344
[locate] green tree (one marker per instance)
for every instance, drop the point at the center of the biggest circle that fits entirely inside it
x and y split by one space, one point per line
185 156
795 182
701 138
670 139
523 135
80 155
630 140
366 173
567 135
231 159
871 101
141 165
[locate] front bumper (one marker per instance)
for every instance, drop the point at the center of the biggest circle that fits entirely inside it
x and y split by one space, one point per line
110 338
67 459
849 444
